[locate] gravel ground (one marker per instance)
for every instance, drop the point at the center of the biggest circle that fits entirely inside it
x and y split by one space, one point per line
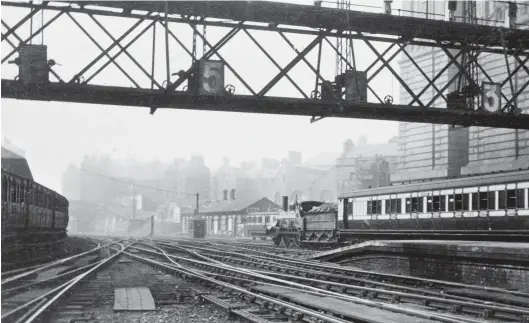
134 274
185 313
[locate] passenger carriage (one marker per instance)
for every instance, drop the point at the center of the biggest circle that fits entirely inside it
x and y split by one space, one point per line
488 202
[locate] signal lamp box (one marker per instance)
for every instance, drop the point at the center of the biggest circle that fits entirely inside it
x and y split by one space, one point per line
33 68
208 78
356 86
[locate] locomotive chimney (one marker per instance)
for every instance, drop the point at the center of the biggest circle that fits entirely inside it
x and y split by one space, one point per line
285 203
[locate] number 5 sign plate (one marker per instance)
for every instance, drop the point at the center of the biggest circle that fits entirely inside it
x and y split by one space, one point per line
491 97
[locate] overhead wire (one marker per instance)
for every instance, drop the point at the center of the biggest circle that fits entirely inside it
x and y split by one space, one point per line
133 183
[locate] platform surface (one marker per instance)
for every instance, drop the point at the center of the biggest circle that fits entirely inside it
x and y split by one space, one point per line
515 249
352 310
133 299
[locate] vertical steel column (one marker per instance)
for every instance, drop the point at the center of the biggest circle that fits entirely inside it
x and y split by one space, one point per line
153 54
168 79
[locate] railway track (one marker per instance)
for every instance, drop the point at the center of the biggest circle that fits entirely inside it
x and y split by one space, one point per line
29 294
429 295
254 285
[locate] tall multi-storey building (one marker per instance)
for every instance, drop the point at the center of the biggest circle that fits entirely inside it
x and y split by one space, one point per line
429 151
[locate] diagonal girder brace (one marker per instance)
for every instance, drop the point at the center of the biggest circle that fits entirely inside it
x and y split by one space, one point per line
102 50
76 77
386 64
132 41
22 21
33 35
433 82
126 52
430 82
290 65
274 62
13 32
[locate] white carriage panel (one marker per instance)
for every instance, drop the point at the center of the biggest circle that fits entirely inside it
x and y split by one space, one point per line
511 186
414 194
404 195
447 215
383 217
483 214
384 197
425 215
470 190
523 212
340 209
526 198
436 192
424 204
497 213
403 205
458 214
447 192
428 193
403 216
483 189
499 187
458 191
511 212
362 217
523 185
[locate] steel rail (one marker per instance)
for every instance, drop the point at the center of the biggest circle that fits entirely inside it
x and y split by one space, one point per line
236 288
51 264
55 293
406 311
418 293
332 267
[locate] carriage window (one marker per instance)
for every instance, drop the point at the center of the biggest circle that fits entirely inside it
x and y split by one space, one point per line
511 199
379 207
414 204
267 219
437 206
350 208
475 201
451 202
483 200
492 200
408 205
369 207
396 205
388 206
502 199
520 198
459 202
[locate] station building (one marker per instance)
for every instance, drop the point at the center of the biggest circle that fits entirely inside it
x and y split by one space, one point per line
430 151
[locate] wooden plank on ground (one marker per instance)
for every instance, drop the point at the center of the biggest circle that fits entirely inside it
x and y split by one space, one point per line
133 299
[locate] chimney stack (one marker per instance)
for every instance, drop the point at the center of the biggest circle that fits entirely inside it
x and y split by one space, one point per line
285 203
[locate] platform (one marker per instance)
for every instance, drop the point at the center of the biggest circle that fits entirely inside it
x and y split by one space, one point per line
495 264
349 310
133 299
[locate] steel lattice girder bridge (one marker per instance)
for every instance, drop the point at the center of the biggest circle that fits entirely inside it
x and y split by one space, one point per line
181 19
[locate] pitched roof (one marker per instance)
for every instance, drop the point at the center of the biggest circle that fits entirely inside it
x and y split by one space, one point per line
232 206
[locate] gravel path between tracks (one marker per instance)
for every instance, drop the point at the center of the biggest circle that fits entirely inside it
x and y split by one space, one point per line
185 313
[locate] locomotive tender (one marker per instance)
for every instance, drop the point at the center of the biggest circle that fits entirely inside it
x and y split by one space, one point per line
30 211
493 202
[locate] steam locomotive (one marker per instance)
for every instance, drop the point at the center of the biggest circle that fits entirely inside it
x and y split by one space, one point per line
495 202
30 211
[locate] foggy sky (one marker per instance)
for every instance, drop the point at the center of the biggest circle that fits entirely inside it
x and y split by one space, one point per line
54 134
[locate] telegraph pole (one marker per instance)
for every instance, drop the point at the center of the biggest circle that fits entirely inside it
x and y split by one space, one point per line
133 201
198 196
